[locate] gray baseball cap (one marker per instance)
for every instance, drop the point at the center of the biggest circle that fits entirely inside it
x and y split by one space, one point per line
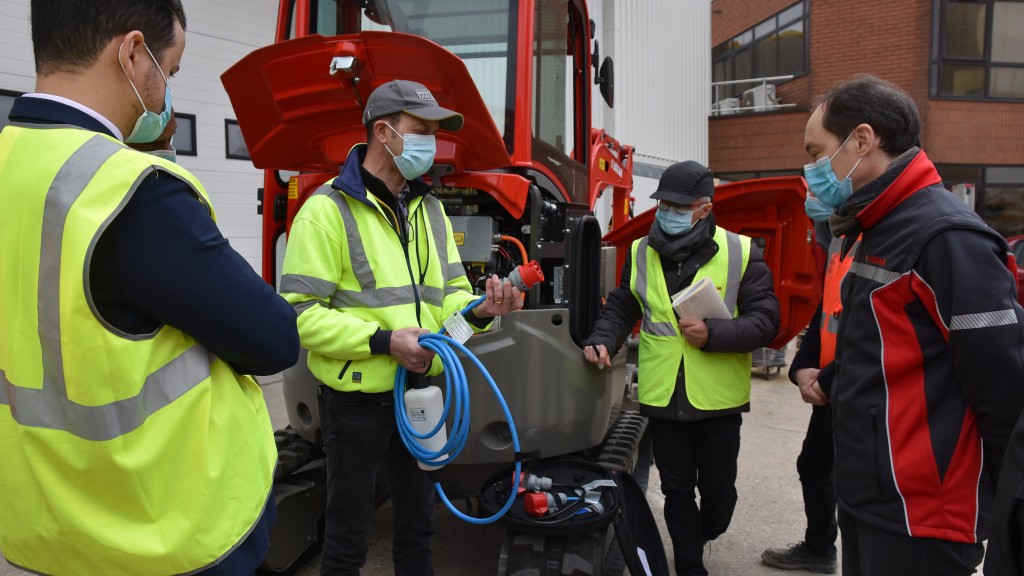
412 98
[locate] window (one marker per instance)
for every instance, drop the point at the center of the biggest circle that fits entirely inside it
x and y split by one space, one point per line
233 141
999 193
184 139
774 47
6 101
977 50
480 32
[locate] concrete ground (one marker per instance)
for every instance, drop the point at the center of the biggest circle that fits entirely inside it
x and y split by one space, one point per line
769 512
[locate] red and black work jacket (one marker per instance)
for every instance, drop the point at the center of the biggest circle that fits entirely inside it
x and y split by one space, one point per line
928 368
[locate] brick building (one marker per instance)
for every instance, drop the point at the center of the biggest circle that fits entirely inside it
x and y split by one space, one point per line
963 63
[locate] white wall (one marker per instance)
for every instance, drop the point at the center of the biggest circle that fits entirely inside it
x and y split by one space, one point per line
662 55
218 35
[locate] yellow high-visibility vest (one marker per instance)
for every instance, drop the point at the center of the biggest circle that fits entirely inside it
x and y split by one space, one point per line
119 454
714 380
345 260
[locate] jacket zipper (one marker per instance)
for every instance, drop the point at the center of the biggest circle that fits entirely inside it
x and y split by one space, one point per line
876 434
408 263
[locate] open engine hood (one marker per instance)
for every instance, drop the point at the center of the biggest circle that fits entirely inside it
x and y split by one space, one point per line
771 211
295 114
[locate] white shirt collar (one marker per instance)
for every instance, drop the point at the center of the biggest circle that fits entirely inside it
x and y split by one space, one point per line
81 107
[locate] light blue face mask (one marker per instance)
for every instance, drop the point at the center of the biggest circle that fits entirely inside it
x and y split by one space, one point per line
150 125
822 181
816 210
417 155
169 155
674 223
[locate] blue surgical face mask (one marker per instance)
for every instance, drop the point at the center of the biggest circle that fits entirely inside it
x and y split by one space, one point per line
674 223
417 155
169 155
816 210
822 181
150 125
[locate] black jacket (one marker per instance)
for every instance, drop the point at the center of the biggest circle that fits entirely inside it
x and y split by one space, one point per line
756 325
929 369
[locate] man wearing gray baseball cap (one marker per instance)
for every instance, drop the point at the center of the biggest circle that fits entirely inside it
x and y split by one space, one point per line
363 271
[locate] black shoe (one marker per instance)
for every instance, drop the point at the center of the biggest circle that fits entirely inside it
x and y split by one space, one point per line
799 557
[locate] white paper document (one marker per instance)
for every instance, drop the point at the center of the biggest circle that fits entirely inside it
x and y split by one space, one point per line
700 300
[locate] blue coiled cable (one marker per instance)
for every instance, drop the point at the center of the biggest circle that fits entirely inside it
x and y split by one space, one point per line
456 392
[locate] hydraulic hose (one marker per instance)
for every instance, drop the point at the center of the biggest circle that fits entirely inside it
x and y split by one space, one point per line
456 395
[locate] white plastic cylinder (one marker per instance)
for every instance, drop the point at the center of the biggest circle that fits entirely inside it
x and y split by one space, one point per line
424 406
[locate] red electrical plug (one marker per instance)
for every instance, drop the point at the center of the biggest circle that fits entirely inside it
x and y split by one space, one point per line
538 504
526 275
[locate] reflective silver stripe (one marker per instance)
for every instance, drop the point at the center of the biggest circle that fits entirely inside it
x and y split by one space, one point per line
384 297
435 215
43 409
303 306
880 275
357 253
49 406
830 322
69 183
983 320
4 385
311 285
648 325
735 267
453 271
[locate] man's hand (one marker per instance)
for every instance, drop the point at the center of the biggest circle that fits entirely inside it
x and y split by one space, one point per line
406 349
695 331
598 356
810 391
502 298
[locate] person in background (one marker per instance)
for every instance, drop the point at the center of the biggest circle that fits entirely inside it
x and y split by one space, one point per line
694 373
817 551
925 385
132 438
371 265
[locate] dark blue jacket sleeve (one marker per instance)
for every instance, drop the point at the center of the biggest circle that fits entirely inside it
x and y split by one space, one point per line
174 265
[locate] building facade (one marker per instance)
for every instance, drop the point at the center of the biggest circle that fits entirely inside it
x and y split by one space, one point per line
962 62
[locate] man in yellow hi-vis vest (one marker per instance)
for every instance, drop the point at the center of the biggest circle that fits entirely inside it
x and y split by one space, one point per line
371 265
694 373
131 442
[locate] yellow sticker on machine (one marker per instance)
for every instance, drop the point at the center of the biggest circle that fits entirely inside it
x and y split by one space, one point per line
460 238
293 188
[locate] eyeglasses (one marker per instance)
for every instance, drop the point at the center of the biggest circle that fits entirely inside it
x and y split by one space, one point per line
666 205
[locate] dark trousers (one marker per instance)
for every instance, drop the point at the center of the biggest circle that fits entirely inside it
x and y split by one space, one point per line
815 466
244 559
869 551
359 433
701 455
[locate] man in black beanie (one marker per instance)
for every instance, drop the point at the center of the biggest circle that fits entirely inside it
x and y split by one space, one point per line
694 372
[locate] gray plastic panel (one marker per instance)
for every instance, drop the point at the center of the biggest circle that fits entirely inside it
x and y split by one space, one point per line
559 402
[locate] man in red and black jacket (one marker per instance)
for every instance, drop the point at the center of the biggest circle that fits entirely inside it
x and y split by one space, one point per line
927 378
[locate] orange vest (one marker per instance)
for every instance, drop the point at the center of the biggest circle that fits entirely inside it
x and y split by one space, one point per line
831 302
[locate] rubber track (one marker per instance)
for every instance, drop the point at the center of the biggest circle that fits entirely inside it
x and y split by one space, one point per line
293 452
580 554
